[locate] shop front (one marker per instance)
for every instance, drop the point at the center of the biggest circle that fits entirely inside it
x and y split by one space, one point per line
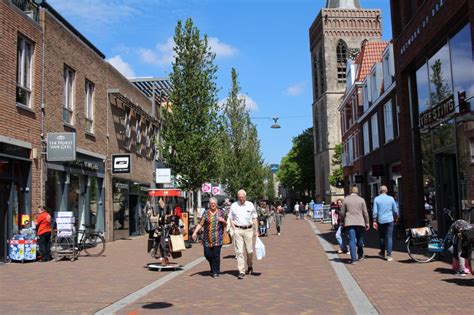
78 186
15 192
129 200
444 134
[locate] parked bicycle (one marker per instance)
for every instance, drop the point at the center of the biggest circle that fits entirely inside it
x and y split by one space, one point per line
91 242
423 243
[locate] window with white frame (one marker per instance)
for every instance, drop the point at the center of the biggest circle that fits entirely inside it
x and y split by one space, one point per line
374 85
89 106
388 121
138 130
23 75
387 74
127 128
365 96
375 131
68 110
365 134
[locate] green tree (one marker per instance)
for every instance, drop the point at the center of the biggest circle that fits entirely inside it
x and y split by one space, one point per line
297 167
242 159
192 128
336 175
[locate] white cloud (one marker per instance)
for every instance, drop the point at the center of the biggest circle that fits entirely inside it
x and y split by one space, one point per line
296 89
123 67
95 14
163 54
221 49
250 104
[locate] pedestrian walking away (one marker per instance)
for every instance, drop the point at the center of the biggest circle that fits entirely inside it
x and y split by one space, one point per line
340 237
278 217
355 220
243 217
43 230
213 223
384 213
297 210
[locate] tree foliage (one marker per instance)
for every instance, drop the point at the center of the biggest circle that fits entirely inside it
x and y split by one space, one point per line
243 165
270 192
297 167
191 132
336 175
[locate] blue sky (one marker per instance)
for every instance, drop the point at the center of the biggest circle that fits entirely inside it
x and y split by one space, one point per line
265 40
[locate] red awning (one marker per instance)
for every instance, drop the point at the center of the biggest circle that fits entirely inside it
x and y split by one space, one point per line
164 193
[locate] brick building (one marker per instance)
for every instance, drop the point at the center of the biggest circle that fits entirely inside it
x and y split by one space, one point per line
433 46
20 115
336 35
54 80
369 122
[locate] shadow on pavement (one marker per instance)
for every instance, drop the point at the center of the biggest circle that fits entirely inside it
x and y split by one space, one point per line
444 270
461 282
157 305
201 273
229 257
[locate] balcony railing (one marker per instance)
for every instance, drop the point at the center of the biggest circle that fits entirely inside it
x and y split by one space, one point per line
29 7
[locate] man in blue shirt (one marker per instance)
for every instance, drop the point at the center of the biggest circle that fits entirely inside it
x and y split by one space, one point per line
385 212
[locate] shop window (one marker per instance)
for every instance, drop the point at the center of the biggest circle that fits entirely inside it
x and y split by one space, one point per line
127 128
138 130
68 110
89 106
472 150
422 89
365 134
23 76
388 121
375 131
341 53
439 75
462 64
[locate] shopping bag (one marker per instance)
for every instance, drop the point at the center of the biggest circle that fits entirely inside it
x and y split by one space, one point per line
226 238
259 249
177 243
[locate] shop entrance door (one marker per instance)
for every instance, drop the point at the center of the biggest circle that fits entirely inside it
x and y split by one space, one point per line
133 199
446 189
5 198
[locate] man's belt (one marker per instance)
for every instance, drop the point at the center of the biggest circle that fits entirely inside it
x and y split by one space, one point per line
244 227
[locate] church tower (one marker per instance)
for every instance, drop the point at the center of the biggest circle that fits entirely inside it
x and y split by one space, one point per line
335 36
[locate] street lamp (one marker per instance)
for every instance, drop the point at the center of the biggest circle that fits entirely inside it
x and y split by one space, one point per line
275 119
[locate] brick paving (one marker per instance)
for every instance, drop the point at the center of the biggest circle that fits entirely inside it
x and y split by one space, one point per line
403 286
295 277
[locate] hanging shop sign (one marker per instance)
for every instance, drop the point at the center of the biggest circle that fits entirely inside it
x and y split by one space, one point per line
163 176
206 188
438 112
121 163
216 190
164 193
61 146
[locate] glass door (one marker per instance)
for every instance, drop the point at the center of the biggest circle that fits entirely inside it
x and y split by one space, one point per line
4 210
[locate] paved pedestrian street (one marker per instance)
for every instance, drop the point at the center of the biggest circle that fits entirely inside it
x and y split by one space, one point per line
299 275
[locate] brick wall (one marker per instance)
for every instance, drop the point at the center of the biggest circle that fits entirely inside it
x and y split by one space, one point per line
17 122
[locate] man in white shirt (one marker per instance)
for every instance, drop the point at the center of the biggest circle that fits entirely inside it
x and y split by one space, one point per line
243 217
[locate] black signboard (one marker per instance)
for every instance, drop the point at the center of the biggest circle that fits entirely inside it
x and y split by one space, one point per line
438 112
121 163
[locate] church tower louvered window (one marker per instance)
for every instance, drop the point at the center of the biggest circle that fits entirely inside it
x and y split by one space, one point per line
341 53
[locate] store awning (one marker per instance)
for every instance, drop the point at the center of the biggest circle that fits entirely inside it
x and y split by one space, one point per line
164 193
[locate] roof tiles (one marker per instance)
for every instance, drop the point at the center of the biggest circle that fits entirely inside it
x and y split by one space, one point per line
370 53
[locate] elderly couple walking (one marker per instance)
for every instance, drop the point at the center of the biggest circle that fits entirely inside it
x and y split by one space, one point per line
355 217
243 219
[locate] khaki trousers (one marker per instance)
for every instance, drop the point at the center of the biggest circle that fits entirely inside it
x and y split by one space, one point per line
243 243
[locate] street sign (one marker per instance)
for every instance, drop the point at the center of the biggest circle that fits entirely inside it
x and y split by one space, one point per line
216 190
206 188
163 176
61 146
121 163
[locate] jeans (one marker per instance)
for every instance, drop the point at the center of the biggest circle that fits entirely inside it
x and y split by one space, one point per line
340 239
301 215
44 241
356 241
213 256
386 238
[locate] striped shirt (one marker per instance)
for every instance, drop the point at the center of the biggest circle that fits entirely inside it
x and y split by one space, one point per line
212 229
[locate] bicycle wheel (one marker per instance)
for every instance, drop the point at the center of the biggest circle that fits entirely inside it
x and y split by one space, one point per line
94 245
418 250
